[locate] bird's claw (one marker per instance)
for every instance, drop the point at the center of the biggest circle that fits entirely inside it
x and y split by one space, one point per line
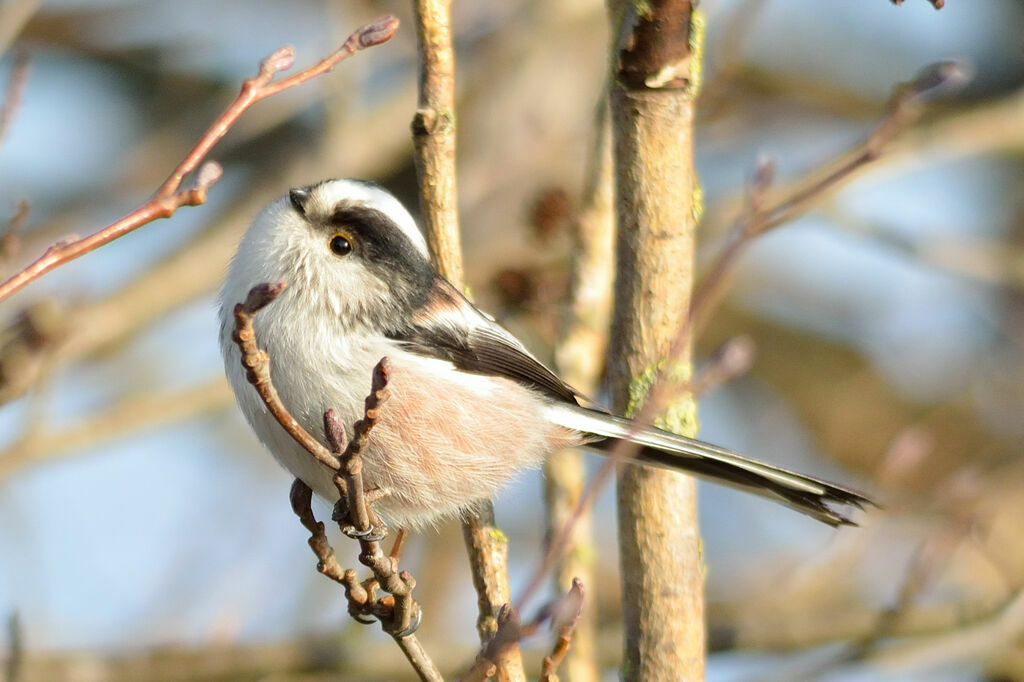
365 620
340 512
414 623
374 533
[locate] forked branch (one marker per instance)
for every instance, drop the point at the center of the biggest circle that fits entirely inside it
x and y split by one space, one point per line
563 614
397 611
171 195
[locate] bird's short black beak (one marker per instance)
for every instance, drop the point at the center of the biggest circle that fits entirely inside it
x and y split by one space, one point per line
299 197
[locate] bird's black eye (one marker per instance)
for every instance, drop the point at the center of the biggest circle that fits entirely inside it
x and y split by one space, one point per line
340 245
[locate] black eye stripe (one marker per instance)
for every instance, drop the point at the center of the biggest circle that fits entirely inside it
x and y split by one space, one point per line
382 246
376 234
363 218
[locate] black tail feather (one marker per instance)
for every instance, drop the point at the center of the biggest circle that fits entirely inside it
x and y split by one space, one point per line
812 503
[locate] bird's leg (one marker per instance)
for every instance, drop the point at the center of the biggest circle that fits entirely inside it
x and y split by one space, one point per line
376 531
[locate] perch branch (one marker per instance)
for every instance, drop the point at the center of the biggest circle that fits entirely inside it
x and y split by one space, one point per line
257 370
171 196
397 611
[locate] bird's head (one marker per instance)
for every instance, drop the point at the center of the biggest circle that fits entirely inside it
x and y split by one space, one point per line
345 245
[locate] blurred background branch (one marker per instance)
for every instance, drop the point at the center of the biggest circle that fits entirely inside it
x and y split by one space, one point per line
886 318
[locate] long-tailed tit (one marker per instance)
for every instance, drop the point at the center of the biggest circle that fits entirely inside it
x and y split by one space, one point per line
470 407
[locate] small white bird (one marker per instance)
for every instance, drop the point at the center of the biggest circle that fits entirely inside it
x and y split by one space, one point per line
470 407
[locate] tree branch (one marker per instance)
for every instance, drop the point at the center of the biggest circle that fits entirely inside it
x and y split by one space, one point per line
170 196
397 612
765 212
656 72
433 133
433 129
580 360
15 90
564 614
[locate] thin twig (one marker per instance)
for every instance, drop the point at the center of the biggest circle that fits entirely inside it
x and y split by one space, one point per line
563 613
762 215
397 612
565 623
10 241
765 213
171 196
13 95
734 358
937 4
257 370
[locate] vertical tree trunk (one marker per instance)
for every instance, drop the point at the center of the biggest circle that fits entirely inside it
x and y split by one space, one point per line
433 130
652 102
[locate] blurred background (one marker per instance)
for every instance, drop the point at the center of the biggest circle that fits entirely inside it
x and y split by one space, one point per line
145 534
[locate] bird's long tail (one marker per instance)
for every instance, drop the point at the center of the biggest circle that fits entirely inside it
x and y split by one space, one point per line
805 494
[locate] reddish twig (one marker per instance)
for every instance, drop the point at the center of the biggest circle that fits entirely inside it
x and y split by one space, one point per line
15 89
170 196
397 611
734 358
564 622
257 370
563 613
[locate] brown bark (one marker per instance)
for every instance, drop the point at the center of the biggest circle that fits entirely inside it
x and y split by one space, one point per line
433 133
433 129
652 104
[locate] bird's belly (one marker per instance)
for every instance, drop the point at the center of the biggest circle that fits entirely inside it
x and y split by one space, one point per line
444 440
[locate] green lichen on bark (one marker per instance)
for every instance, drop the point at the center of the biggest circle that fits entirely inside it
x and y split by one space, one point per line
680 415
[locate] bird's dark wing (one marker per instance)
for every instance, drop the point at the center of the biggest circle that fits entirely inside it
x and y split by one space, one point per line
451 328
